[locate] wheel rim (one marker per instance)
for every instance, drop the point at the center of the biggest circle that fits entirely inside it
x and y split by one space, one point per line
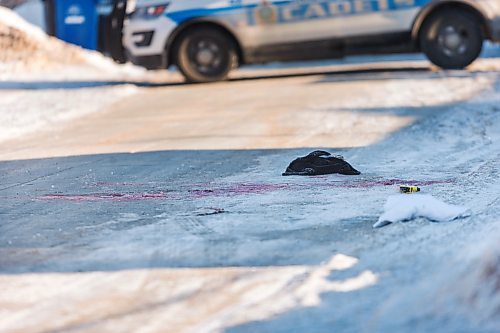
453 40
206 55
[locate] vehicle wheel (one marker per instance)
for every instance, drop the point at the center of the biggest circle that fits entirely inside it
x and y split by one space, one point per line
205 55
451 39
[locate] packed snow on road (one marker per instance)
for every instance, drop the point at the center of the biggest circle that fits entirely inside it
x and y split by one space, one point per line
130 200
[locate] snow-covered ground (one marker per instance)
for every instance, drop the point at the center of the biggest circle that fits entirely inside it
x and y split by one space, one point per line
98 243
216 240
304 254
45 82
24 112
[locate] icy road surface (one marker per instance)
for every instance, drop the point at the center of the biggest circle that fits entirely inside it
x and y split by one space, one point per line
196 231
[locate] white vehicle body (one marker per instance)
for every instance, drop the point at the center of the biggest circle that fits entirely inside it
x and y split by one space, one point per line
269 30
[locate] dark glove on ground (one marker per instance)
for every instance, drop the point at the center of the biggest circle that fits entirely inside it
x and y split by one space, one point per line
319 163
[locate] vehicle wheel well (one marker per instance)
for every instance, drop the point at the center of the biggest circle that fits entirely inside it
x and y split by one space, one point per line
185 28
426 13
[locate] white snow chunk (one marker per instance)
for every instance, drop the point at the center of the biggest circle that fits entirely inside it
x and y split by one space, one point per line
404 207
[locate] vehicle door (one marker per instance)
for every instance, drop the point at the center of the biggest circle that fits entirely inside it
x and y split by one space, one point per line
374 17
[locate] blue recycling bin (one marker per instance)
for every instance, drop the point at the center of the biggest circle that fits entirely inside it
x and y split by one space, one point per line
92 24
76 22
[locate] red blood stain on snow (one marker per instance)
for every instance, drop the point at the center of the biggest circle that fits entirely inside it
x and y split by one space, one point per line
234 189
238 189
255 188
104 196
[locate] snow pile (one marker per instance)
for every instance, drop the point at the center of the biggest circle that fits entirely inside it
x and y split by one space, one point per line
25 48
463 295
45 82
404 207
479 283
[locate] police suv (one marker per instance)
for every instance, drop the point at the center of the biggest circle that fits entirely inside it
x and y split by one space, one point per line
205 39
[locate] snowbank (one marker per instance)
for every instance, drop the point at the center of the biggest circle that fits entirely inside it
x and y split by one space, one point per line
27 52
479 282
44 81
463 295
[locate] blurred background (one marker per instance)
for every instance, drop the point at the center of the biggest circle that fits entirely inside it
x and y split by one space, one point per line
98 25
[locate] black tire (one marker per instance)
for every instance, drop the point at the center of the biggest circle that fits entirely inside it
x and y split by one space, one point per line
451 38
205 55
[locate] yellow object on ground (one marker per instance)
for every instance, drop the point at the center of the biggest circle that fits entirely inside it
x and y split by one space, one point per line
408 189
